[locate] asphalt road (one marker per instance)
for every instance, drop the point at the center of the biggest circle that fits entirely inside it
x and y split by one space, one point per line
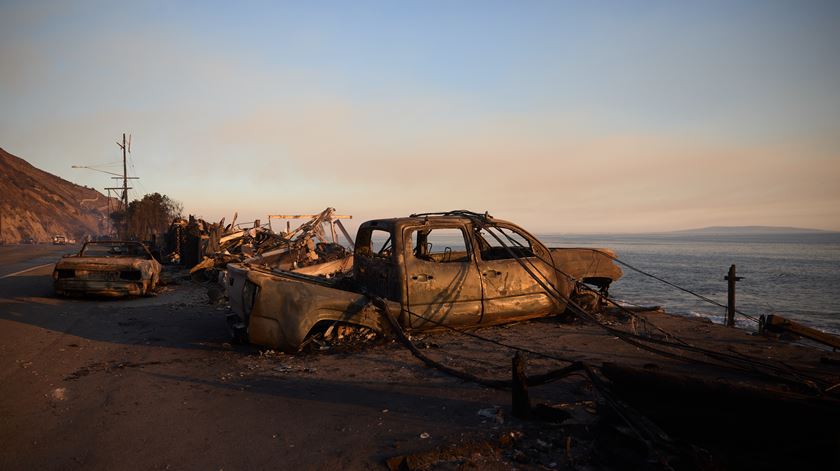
151 383
19 258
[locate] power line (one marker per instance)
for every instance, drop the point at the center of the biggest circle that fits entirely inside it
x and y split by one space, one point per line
741 363
686 290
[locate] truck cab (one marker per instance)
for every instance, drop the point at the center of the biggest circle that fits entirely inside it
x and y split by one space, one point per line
447 269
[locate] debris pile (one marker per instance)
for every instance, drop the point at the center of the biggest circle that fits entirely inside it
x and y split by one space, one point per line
208 247
340 337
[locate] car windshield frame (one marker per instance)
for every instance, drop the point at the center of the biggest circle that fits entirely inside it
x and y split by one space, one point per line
114 249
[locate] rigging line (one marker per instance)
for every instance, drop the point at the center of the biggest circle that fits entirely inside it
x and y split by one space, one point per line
751 362
134 170
104 164
789 368
577 309
752 365
744 365
731 360
485 339
645 322
549 356
579 283
585 315
739 364
554 357
645 430
704 298
380 304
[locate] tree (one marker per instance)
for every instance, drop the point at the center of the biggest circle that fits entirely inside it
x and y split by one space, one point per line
147 217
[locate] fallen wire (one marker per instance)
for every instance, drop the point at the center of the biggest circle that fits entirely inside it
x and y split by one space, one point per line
648 433
631 339
750 366
741 364
553 375
549 356
673 285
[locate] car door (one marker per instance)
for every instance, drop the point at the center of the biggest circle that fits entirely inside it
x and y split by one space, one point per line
510 292
374 265
443 285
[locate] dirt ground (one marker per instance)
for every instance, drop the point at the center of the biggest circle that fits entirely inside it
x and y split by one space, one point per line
154 383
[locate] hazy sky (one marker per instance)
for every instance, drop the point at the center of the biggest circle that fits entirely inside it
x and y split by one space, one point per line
562 116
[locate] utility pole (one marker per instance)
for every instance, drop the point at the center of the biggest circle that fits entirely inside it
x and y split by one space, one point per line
108 221
126 149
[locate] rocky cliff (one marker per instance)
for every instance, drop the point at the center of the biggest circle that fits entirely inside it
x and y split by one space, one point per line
37 204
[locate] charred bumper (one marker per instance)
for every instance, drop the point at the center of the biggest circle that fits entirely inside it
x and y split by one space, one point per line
70 287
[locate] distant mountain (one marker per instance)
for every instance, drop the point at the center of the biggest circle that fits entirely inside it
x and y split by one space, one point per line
750 230
37 204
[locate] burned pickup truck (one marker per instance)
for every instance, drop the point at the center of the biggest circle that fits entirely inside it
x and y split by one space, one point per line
458 269
107 268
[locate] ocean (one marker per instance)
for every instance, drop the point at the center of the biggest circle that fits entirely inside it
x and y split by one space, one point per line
795 275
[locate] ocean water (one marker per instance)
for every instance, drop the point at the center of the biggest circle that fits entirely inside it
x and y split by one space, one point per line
795 275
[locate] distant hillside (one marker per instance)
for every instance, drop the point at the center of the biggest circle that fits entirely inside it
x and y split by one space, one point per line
750 230
34 203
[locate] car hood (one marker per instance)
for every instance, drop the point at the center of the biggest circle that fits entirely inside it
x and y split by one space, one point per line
587 263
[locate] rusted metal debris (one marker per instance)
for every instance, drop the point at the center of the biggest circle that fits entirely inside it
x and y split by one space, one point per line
774 323
208 247
340 337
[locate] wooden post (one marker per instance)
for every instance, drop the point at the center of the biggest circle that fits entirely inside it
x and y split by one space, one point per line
730 305
521 403
125 190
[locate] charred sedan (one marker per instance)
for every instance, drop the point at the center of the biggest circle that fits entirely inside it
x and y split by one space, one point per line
107 268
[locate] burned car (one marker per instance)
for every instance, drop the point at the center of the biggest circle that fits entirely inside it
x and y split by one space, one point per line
107 268
456 269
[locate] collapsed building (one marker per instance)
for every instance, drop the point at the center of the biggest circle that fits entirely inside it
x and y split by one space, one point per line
313 247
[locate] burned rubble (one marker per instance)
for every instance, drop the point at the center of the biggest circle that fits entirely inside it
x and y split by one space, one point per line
207 248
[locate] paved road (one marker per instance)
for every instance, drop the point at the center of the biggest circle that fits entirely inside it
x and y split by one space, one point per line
151 383
17 258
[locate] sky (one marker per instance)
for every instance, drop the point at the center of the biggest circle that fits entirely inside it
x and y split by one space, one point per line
565 117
